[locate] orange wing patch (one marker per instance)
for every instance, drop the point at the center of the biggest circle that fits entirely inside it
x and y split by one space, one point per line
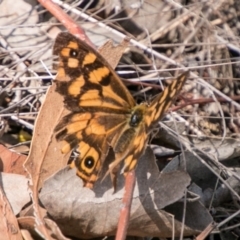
99 74
89 59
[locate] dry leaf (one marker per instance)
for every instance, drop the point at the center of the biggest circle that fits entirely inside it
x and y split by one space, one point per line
140 17
27 224
8 223
16 189
45 157
54 230
200 174
93 213
11 161
113 53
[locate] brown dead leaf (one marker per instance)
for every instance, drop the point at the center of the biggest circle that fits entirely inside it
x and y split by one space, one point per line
54 229
27 224
8 223
23 149
11 161
113 53
93 213
15 187
45 157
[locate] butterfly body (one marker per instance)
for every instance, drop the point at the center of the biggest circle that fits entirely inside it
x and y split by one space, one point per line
103 114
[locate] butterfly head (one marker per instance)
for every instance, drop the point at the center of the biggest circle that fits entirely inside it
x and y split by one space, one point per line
137 115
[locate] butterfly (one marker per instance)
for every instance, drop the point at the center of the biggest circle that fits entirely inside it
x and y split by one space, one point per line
103 114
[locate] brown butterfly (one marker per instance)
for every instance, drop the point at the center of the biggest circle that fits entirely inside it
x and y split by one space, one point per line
103 114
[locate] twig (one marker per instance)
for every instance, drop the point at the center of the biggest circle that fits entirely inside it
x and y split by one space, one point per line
126 206
206 231
62 17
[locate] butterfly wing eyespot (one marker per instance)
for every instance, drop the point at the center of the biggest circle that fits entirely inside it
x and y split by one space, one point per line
89 162
103 113
73 53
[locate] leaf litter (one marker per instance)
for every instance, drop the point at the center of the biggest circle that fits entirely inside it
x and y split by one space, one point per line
210 134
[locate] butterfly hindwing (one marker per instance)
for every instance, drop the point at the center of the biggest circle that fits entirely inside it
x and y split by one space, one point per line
161 103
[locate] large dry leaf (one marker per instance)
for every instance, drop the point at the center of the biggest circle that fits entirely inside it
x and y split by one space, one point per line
8 223
204 180
92 213
199 173
45 157
16 189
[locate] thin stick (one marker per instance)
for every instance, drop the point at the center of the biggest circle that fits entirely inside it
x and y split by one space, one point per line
67 21
206 231
126 206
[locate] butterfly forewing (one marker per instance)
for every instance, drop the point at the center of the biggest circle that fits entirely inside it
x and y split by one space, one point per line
86 79
161 103
152 114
